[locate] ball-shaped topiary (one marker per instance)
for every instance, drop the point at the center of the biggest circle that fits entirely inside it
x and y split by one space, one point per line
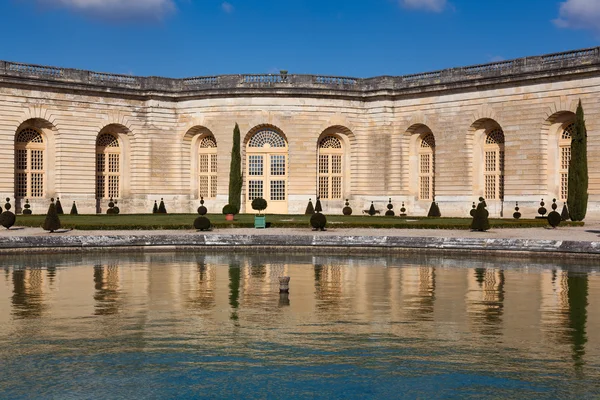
473 209
318 221
480 221
517 214
230 209
202 223
7 218
554 219
403 210
347 210
27 208
116 209
390 209
202 210
259 204
542 210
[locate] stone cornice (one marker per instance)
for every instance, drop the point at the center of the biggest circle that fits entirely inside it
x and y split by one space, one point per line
557 66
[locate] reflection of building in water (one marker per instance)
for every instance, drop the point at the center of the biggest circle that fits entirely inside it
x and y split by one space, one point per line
554 303
485 300
328 286
28 293
106 285
419 291
202 291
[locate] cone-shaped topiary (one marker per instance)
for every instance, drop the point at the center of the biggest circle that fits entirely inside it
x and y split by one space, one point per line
577 197
59 209
27 206
517 214
52 222
372 210
202 210
347 210
74 209
7 218
155 208
480 221
318 221
318 207
235 171
259 204
310 210
161 207
564 215
434 210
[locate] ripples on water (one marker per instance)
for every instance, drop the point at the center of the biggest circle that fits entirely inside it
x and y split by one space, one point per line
215 326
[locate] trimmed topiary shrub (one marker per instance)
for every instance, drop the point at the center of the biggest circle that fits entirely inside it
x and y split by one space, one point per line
116 209
480 221
259 204
27 208
310 210
390 209
52 222
372 210
564 215
517 214
554 217
59 209
542 210
7 218
318 207
403 210
318 221
472 211
202 210
111 207
347 210
230 209
161 207
155 208
434 210
74 209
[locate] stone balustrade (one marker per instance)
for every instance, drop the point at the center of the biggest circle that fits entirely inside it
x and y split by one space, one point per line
583 59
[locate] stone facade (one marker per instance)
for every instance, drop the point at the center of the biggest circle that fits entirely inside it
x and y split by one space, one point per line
381 125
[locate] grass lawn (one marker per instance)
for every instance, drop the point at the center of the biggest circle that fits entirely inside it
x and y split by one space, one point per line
185 221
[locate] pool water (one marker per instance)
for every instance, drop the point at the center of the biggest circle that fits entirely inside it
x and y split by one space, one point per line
192 325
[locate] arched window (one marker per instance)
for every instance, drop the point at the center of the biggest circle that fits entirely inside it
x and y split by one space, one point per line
29 164
427 167
330 167
493 172
207 167
266 163
564 146
108 168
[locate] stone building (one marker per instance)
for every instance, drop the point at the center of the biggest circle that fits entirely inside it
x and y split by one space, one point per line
499 130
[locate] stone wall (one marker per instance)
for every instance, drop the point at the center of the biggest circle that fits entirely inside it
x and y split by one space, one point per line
158 121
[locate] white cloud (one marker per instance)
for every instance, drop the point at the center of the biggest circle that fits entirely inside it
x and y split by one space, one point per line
227 7
579 14
427 5
143 10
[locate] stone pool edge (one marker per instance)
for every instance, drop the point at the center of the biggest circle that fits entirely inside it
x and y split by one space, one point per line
29 244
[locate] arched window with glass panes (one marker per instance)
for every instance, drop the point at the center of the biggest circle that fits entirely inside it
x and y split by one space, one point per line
207 167
493 171
29 164
331 157
564 148
108 166
427 167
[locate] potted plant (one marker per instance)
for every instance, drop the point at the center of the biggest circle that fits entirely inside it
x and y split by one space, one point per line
229 211
259 204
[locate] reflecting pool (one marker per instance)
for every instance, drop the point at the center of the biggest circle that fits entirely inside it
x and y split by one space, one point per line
191 325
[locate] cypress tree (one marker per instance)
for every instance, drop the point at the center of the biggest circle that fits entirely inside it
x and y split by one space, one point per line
52 222
235 171
578 169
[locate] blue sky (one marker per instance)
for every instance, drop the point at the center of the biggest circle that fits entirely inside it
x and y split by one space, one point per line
361 38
